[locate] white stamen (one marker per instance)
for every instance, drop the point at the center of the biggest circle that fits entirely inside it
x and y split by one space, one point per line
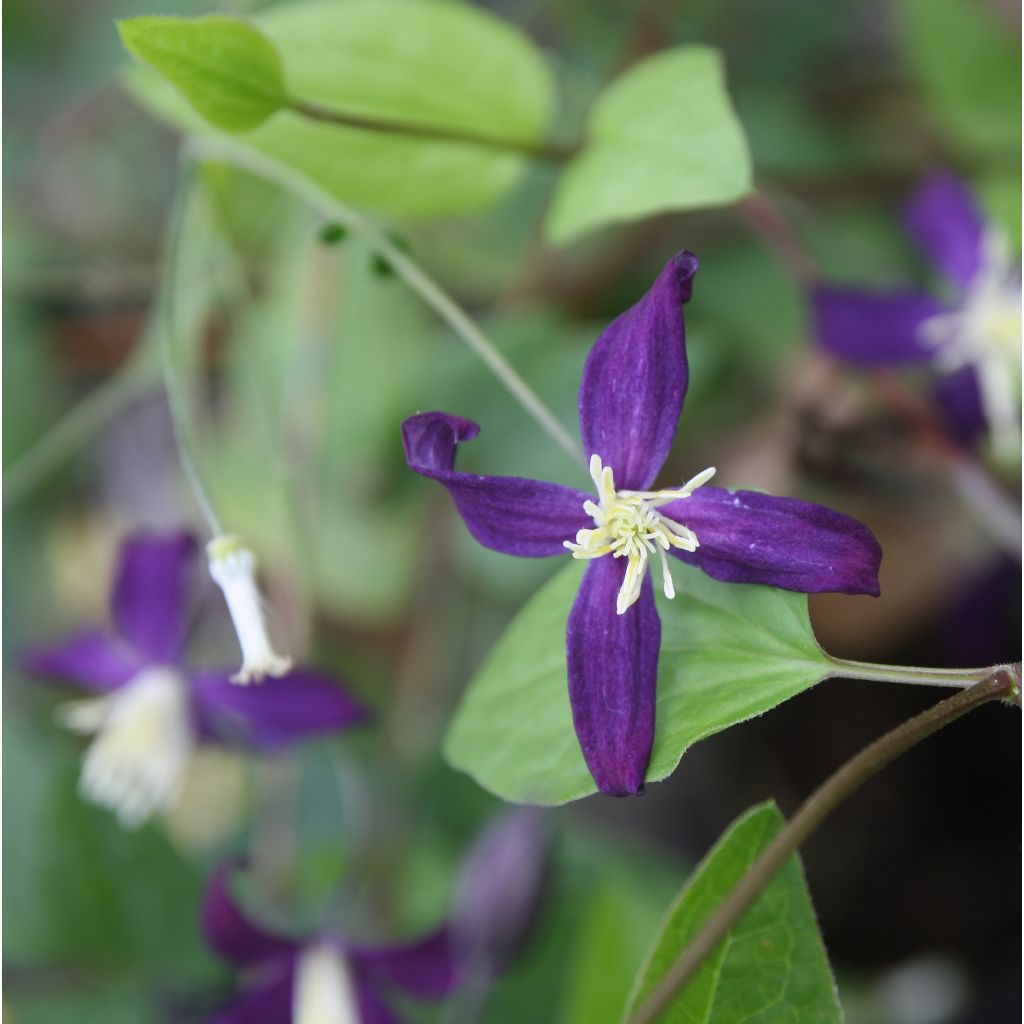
143 742
323 992
233 568
984 331
629 526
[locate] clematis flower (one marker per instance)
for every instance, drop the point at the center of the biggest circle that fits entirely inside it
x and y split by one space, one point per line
970 337
149 709
318 978
630 398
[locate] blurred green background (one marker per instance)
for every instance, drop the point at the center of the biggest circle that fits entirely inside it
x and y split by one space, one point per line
308 353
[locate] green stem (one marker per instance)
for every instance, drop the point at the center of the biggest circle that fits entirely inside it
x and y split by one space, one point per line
536 151
957 678
80 425
1002 684
414 276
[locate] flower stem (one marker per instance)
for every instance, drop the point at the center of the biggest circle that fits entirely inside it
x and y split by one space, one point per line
537 151
414 276
1003 684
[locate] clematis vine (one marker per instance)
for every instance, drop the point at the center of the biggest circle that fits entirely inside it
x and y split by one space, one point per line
630 399
318 978
971 337
149 710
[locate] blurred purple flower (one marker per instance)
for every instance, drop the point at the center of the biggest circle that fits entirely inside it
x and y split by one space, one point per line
630 399
318 978
972 340
500 891
150 709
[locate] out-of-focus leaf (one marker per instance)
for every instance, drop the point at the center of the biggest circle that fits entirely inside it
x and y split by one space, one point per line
451 67
227 69
728 652
771 966
661 137
969 67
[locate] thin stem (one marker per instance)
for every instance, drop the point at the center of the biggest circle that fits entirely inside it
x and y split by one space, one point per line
79 425
537 151
958 678
176 400
414 276
1002 684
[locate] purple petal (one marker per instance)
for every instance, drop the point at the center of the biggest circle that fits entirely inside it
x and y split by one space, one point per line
521 517
747 537
88 659
372 1008
150 593
267 999
946 223
873 328
500 889
228 930
424 968
613 670
635 380
959 398
275 713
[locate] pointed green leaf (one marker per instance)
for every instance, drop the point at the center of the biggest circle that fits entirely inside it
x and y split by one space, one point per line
663 136
728 652
451 67
771 967
227 69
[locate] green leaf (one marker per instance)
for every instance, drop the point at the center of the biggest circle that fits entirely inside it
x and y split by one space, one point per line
969 67
227 69
771 967
450 68
661 137
728 652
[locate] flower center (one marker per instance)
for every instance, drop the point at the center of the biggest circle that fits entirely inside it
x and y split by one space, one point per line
323 991
984 332
629 525
137 761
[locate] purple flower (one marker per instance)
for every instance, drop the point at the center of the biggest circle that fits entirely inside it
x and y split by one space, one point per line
149 710
630 399
971 338
318 978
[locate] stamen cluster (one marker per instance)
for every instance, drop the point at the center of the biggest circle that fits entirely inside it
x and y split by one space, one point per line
629 525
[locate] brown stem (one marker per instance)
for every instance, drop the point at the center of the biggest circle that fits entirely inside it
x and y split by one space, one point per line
538 151
1002 684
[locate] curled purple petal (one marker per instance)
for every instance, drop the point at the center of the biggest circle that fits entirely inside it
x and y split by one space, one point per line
266 998
274 713
748 537
635 380
873 328
500 890
522 517
372 1008
230 932
958 396
425 967
945 222
87 658
150 593
613 670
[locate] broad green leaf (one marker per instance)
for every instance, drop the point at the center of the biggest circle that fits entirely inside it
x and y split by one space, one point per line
771 968
450 68
728 652
662 137
969 67
227 69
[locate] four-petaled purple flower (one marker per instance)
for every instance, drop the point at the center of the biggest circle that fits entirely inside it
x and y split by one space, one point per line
972 340
630 399
150 710
318 978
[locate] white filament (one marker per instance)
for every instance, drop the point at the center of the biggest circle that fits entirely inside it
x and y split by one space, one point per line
323 992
